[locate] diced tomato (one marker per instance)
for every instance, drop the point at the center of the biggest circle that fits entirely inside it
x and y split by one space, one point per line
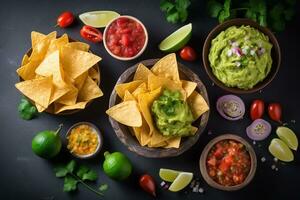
218 153
212 161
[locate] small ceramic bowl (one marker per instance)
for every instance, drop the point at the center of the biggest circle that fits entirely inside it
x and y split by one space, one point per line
275 53
99 136
203 167
119 57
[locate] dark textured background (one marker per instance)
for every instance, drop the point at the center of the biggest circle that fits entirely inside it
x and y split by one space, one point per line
26 176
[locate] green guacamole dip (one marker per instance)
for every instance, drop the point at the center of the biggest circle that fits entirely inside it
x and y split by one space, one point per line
172 115
240 57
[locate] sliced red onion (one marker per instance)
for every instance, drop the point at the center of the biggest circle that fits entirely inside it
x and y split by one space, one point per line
259 130
237 51
231 107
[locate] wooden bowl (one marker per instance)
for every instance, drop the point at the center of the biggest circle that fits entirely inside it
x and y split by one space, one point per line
124 133
68 112
207 149
275 53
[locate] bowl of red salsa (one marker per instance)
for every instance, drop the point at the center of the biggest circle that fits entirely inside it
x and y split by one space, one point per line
125 38
228 162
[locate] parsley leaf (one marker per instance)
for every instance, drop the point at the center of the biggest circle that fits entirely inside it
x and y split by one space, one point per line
175 10
26 110
70 184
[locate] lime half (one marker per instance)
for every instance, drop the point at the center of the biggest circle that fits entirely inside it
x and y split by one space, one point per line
177 39
288 136
280 150
168 174
98 19
181 181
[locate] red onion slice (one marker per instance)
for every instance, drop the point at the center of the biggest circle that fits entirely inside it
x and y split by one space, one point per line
231 107
259 130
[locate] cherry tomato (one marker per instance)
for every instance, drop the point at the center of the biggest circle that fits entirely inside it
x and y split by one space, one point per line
147 184
188 53
257 109
275 112
65 19
91 34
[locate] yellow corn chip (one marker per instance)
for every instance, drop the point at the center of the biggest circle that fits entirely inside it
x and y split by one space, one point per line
140 90
70 97
128 96
58 108
36 37
78 45
25 60
188 87
173 142
90 90
94 74
80 80
142 73
131 86
58 43
197 104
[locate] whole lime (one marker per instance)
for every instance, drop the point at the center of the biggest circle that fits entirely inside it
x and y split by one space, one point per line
47 144
116 165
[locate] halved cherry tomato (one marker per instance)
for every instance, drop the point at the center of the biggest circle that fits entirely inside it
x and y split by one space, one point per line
257 109
147 184
275 112
188 53
91 34
65 19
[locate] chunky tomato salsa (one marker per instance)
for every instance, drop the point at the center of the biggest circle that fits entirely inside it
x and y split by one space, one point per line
125 37
228 162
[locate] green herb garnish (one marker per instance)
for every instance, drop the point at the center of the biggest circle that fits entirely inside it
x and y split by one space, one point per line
26 110
103 187
175 10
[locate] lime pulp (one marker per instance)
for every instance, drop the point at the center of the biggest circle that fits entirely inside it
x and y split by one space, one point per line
288 136
280 150
98 19
181 181
168 174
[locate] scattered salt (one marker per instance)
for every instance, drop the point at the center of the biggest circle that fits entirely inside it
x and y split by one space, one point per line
263 159
201 190
275 159
273 167
162 183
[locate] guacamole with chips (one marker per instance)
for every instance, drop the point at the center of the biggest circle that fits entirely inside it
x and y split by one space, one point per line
240 57
173 116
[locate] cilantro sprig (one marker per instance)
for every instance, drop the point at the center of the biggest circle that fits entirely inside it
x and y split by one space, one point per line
27 110
175 10
73 175
272 13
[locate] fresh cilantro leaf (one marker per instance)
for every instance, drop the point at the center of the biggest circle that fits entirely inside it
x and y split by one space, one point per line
289 13
214 8
225 12
173 17
27 110
91 175
103 187
71 166
70 184
183 14
82 170
166 5
175 10
182 4
60 171
276 17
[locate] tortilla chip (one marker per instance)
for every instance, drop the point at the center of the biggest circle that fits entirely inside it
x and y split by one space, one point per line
131 86
40 108
188 87
77 62
173 142
27 71
58 92
94 74
70 97
126 113
25 60
38 90
90 90
145 102
157 139
50 66
142 133
128 96
36 37
140 90
58 108
78 45
80 80
197 104
167 67
142 72
58 43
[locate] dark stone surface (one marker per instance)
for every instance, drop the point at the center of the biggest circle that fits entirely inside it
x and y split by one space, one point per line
25 176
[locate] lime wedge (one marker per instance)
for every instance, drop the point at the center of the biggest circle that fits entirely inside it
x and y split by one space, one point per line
181 181
168 174
98 19
280 150
177 39
288 136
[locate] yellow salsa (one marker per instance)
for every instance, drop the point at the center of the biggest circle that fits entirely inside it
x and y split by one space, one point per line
82 140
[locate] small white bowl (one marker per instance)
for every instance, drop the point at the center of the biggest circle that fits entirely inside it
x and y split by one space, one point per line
99 136
125 58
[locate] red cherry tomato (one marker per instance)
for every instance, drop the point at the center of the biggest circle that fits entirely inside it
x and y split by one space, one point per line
65 19
147 184
188 53
91 34
257 109
275 112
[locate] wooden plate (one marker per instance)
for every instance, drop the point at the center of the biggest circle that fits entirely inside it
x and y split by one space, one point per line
124 134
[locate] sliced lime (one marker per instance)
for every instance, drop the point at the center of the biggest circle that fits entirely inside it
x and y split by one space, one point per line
168 174
98 19
288 136
181 181
177 39
280 150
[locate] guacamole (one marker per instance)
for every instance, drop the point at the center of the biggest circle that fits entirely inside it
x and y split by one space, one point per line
240 57
172 115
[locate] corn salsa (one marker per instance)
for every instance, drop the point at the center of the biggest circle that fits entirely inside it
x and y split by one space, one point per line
83 140
228 162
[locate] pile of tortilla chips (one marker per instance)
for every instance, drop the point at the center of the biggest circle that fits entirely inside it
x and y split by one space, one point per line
58 74
137 98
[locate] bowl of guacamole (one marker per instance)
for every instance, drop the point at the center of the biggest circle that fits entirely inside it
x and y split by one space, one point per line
241 56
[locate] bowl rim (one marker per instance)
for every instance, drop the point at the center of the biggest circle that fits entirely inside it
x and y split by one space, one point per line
158 152
99 136
238 22
125 58
206 150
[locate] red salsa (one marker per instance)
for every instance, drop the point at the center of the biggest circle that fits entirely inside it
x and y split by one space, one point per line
125 37
228 162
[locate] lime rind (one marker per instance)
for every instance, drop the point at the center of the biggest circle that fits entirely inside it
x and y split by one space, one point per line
288 136
280 150
177 39
168 174
98 19
181 181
